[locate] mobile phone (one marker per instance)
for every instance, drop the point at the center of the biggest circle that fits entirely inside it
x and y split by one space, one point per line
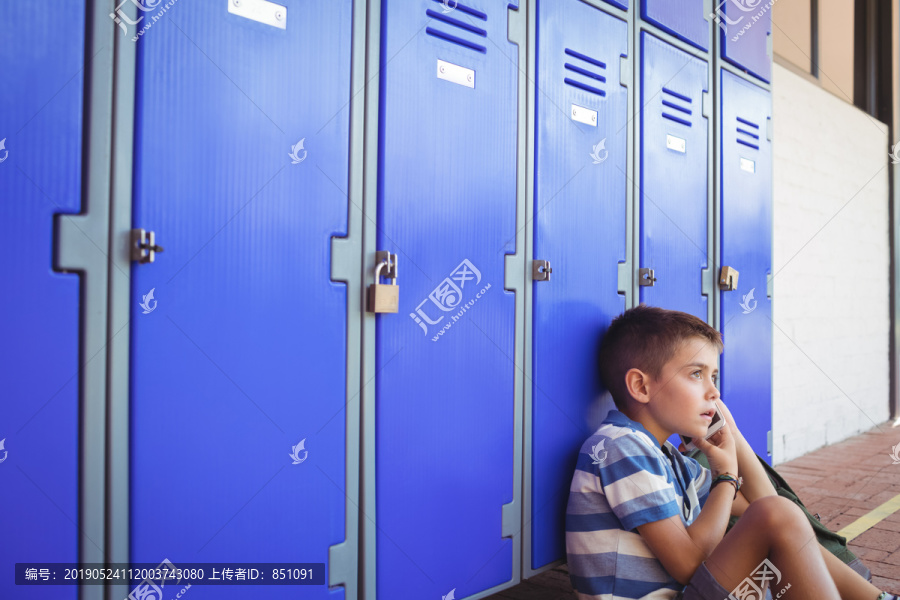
717 422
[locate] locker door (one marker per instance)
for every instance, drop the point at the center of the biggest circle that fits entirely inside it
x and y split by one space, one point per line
445 375
746 36
42 52
673 179
685 19
238 356
747 246
580 226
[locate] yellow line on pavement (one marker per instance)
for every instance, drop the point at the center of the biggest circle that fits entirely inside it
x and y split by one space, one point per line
869 520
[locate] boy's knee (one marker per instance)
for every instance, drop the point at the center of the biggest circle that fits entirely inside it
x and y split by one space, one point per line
777 512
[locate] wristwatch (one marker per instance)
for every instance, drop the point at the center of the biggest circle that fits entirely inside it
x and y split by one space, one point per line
735 481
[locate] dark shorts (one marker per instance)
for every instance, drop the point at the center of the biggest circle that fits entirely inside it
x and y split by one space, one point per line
703 586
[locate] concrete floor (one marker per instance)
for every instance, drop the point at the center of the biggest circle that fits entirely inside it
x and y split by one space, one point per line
842 483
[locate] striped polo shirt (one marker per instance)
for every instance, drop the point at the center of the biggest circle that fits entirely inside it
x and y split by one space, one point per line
624 479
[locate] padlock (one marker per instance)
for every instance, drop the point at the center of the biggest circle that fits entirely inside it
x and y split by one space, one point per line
383 298
728 279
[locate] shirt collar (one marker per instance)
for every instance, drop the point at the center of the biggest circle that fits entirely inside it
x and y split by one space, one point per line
617 417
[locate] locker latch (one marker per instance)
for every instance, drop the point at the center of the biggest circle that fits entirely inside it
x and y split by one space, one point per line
143 246
728 279
645 277
384 298
540 270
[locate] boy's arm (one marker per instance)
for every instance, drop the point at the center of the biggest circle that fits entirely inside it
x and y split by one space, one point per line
682 550
756 483
739 504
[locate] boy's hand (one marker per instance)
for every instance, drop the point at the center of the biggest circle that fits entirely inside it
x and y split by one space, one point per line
720 450
729 419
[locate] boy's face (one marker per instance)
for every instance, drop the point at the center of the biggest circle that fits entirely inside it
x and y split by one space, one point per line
685 389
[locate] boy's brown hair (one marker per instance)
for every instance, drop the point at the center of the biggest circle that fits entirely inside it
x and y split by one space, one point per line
646 338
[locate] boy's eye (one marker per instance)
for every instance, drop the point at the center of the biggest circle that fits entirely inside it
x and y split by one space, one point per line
714 377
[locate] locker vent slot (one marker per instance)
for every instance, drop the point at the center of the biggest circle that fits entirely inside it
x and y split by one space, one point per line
675 101
589 71
676 107
461 26
455 40
744 133
456 23
676 119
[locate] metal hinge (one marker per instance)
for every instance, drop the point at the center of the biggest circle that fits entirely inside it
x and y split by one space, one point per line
540 270
143 246
645 276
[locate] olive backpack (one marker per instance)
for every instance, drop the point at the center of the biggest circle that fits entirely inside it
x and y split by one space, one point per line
833 542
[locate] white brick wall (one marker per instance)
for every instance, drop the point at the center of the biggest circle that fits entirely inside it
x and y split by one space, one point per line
831 260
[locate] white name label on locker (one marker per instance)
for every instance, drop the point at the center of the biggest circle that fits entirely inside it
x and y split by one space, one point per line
748 165
584 115
263 11
674 143
455 73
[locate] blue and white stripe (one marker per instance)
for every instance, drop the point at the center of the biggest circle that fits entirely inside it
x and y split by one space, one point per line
630 483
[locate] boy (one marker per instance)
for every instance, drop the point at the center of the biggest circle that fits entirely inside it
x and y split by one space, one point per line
634 525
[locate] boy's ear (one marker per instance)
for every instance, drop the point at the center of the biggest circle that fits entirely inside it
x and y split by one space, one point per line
636 382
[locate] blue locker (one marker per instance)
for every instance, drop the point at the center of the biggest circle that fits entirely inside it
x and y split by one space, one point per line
444 413
745 27
580 226
42 52
684 19
238 358
673 178
746 224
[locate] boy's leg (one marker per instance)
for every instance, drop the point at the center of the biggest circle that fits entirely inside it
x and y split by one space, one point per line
850 584
773 527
